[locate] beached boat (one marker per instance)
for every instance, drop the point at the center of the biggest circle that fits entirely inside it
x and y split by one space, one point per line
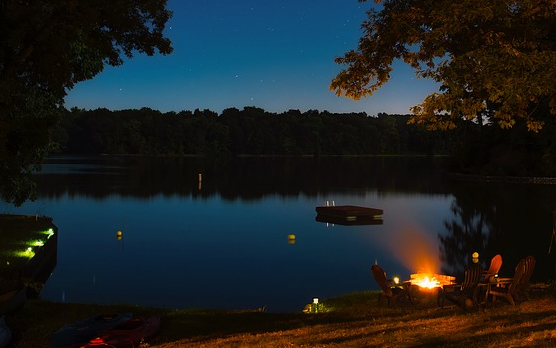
12 300
5 333
87 329
128 334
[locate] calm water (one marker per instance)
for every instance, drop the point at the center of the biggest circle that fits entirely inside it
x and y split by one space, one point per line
224 243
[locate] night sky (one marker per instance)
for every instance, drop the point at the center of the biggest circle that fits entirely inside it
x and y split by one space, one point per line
276 55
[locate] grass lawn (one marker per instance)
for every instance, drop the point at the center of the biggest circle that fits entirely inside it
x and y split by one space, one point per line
353 320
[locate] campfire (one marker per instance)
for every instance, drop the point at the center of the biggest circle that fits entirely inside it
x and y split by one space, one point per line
431 280
427 287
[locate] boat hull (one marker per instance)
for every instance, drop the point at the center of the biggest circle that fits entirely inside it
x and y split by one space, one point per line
128 334
85 330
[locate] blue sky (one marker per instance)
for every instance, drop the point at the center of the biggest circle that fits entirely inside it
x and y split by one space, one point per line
276 55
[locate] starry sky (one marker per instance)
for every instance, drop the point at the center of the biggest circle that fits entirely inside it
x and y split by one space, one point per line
273 54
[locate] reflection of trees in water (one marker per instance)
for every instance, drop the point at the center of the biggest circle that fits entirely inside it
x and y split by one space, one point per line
248 178
511 219
514 220
468 232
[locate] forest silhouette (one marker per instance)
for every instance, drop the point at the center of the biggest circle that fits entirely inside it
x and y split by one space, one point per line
251 131
484 149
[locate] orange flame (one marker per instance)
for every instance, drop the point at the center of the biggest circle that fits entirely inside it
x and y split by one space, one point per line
431 281
426 282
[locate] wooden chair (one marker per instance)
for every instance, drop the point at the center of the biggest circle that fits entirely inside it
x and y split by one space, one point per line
461 294
490 276
525 284
393 292
514 289
492 271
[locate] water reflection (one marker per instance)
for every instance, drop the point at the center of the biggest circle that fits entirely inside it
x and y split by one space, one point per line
248 178
514 220
250 228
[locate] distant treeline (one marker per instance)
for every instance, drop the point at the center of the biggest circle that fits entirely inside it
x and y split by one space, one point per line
251 131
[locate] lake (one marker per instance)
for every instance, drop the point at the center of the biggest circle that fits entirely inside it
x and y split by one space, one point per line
199 233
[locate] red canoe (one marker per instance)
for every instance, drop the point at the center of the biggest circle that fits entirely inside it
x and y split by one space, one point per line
128 334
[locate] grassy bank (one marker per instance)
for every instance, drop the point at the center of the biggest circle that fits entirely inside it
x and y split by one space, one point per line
20 238
349 321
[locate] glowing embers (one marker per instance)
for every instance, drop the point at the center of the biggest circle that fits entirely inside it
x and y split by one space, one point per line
431 280
426 288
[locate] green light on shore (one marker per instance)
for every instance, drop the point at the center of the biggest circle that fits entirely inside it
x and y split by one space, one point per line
27 253
49 233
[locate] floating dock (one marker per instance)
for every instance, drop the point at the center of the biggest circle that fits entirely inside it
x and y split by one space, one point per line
349 215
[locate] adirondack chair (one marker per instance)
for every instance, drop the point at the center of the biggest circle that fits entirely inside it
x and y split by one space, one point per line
490 276
392 292
525 284
492 271
467 291
514 289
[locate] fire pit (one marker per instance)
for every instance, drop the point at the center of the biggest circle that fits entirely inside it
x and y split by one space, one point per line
426 287
431 280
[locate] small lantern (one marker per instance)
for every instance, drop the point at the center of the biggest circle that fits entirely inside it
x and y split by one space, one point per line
315 307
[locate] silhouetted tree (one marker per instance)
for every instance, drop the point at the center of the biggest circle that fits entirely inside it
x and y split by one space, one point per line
46 47
493 59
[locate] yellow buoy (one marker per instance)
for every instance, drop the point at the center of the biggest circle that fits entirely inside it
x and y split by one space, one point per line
119 234
291 238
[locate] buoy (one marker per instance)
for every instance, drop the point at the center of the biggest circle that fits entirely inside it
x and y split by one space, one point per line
291 238
119 235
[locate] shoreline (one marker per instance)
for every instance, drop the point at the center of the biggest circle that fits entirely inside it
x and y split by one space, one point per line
350 321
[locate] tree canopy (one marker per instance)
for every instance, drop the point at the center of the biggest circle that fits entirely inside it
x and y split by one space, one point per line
251 131
493 59
46 47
